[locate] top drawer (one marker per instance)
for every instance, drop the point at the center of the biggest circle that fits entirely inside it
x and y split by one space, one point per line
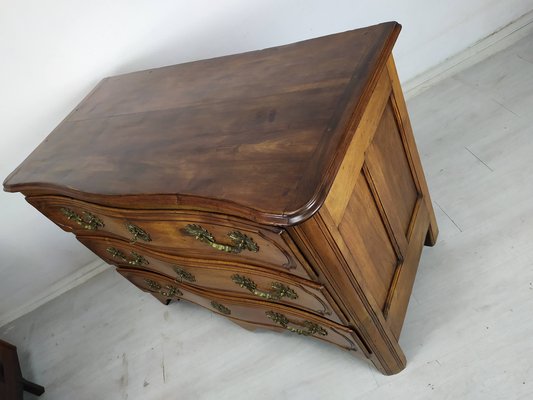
185 233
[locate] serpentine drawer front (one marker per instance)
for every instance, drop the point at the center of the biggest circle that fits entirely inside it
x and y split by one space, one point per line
280 188
261 314
184 233
238 279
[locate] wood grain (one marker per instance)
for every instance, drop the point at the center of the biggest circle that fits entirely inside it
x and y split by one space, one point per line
166 231
259 135
215 275
344 183
247 310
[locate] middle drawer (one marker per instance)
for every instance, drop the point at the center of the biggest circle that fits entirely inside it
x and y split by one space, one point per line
240 279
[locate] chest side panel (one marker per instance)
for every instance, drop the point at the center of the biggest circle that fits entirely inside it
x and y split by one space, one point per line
387 165
370 232
368 242
377 205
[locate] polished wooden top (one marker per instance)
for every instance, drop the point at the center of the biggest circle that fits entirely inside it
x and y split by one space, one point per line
259 135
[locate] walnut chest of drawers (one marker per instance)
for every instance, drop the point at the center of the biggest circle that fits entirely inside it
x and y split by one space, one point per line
279 188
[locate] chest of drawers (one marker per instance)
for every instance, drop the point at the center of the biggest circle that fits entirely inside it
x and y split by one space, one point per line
279 188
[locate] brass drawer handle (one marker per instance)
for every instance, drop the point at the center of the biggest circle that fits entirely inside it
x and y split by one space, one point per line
279 290
220 308
116 253
153 285
310 328
184 275
88 221
137 259
240 240
170 291
138 233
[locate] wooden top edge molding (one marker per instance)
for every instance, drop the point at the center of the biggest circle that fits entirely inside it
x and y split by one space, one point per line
258 135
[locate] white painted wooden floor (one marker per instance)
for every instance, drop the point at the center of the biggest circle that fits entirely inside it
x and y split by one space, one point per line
469 328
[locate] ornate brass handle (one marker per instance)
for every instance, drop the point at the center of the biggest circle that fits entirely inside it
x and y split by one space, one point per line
137 259
310 328
88 221
220 308
170 291
153 285
138 233
278 291
240 240
184 275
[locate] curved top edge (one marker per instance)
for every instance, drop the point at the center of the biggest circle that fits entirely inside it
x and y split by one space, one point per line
319 197
352 113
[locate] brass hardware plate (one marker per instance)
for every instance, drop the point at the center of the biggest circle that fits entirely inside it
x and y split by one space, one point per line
277 292
137 260
170 291
309 328
239 240
153 285
87 221
116 253
220 308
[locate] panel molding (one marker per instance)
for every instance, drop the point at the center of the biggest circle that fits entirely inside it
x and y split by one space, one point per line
344 183
69 282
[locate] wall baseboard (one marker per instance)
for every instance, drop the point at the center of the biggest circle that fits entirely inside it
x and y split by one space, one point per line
479 51
69 282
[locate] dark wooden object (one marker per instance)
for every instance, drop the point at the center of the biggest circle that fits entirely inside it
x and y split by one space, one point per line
12 384
283 185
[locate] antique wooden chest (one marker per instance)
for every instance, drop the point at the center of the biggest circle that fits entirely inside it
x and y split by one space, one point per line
279 188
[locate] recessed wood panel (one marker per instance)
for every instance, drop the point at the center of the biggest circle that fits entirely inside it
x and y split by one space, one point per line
271 187
366 237
391 173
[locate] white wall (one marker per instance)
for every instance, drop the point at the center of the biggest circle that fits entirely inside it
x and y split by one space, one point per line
53 52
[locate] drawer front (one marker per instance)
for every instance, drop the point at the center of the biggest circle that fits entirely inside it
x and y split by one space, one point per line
261 314
185 233
235 279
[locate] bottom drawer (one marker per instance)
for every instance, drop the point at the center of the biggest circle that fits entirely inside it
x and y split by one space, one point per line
256 312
